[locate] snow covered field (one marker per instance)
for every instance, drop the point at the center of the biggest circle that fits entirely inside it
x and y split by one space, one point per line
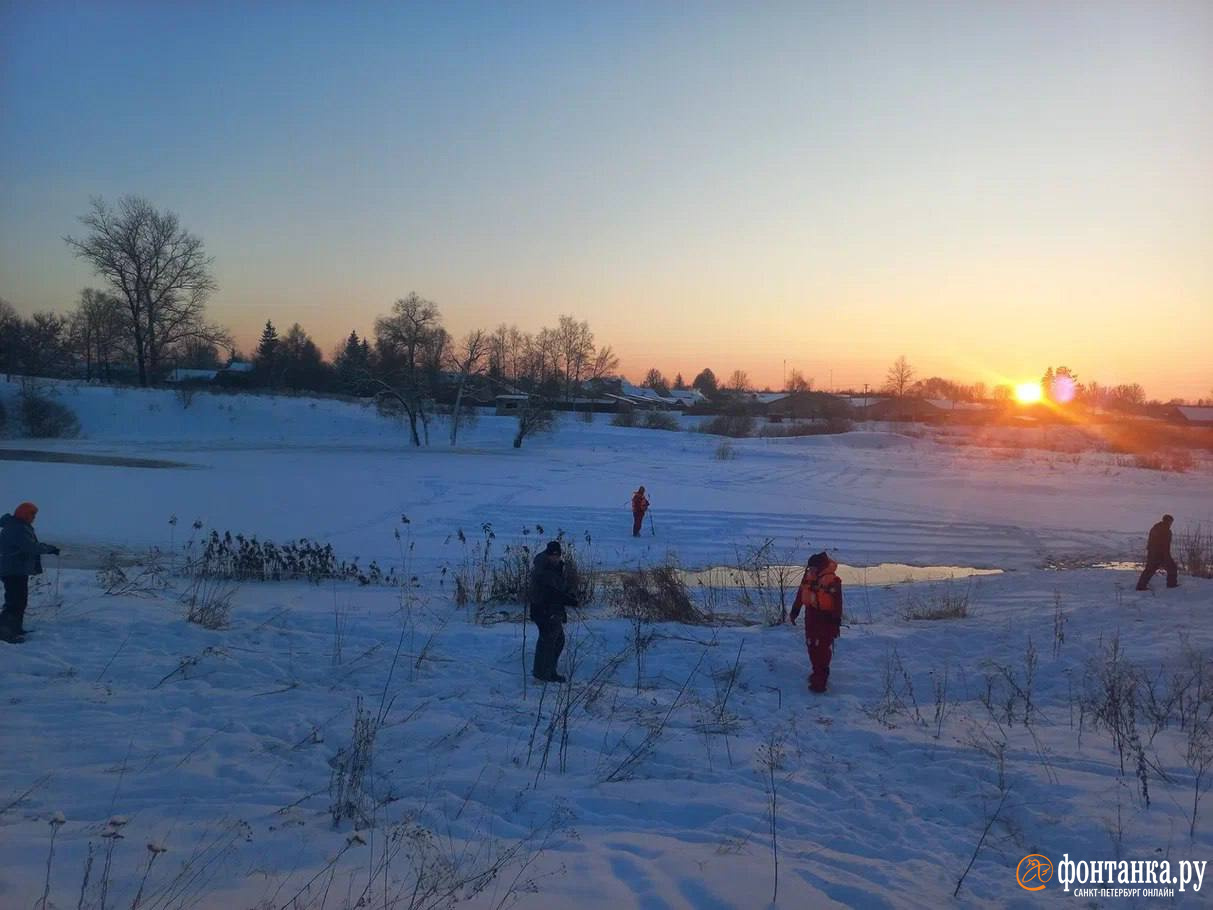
654 789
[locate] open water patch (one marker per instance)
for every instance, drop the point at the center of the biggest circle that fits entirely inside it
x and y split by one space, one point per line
876 576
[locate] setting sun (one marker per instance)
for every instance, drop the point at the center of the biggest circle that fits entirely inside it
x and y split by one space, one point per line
1028 392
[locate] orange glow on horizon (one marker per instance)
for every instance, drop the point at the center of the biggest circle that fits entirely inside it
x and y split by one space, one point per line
1028 392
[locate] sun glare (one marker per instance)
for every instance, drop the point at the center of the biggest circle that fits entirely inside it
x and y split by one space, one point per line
1028 392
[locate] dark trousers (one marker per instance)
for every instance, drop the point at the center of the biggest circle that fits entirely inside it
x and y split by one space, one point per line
551 640
637 523
16 598
821 650
1153 564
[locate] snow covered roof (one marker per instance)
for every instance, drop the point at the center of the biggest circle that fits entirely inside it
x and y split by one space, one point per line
947 404
644 393
688 396
239 366
183 375
1194 414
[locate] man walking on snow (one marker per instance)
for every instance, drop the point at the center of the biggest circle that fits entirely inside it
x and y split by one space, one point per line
640 505
820 596
549 598
1158 555
20 557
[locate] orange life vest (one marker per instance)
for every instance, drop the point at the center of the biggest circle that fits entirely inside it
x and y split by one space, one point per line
821 589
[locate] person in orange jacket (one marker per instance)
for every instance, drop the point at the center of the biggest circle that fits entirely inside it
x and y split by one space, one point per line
820 596
640 505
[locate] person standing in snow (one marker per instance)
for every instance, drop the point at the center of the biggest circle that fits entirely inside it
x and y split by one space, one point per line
820 596
1158 555
549 597
20 557
640 505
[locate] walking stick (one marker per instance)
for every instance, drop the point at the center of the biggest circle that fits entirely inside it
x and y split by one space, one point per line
652 530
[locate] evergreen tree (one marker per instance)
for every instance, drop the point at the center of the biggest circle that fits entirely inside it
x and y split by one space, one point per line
353 365
266 359
679 384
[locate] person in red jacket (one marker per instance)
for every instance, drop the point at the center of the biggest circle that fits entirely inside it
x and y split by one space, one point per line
820 596
640 505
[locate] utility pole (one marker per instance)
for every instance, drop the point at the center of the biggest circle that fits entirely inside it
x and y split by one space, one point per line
785 375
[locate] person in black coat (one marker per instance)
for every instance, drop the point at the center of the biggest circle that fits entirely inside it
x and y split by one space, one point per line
1158 555
549 598
20 557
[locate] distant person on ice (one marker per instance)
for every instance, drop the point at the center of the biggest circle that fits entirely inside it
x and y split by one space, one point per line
640 505
20 557
820 596
549 597
1158 555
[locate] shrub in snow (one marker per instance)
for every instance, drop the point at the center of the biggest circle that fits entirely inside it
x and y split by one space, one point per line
945 602
1195 551
239 558
725 452
659 420
624 419
208 602
45 418
658 594
738 426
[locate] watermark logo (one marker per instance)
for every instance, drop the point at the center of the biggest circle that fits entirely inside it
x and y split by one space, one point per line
1034 872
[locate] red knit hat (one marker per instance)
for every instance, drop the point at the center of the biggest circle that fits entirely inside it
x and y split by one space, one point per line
26 512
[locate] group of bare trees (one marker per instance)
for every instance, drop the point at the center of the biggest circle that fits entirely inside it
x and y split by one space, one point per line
554 361
51 345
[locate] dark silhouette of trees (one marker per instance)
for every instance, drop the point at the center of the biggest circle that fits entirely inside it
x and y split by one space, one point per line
705 382
98 331
158 269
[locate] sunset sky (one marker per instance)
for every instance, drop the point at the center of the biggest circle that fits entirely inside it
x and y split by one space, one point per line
988 188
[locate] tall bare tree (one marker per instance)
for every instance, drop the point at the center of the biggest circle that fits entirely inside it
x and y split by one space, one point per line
406 341
466 361
739 381
159 270
899 377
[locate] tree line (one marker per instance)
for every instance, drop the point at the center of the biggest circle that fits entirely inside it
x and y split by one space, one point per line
151 316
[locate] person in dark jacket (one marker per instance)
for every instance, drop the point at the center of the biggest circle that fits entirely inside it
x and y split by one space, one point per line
20 557
549 598
640 505
1158 555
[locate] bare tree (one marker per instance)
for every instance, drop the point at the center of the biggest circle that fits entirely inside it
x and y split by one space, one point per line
98 329
899 377
798 383
466 361
535 417
655 380
157 268
406 343
739 381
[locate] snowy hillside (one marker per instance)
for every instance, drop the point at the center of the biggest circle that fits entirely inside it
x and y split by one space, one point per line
1057 712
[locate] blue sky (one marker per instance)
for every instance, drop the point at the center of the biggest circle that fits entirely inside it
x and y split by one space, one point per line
987 188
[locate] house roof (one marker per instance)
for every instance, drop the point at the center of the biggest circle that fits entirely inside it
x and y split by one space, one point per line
1196 414
239 366
947 404
184 375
